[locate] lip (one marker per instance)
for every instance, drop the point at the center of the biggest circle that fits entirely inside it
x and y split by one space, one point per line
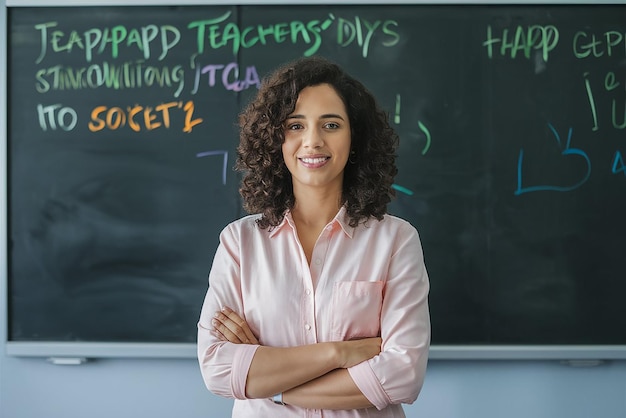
314 161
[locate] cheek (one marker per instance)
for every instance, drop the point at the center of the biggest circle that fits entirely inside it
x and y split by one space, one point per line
289 148
345 152
289 152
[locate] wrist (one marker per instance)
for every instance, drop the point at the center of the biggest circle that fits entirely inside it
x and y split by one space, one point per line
340 354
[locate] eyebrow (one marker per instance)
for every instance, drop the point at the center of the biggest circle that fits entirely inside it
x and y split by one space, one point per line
324 116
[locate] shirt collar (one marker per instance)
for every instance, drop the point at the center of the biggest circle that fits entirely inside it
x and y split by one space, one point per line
341 218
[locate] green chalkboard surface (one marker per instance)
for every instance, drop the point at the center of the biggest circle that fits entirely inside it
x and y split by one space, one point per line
512 163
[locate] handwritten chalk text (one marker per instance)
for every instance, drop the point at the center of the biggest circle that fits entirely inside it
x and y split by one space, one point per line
126 75
140 117
522 39
109 40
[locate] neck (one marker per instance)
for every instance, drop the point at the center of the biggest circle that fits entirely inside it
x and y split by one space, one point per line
316 208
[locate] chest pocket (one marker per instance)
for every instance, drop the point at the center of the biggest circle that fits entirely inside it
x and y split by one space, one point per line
356 308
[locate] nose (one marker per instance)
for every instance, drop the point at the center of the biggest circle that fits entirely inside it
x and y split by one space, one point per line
313 138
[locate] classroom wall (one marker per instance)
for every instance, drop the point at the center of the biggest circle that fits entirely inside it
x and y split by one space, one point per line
163 388
33 388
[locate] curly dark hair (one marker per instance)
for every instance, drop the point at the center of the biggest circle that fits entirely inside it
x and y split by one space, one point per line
266 186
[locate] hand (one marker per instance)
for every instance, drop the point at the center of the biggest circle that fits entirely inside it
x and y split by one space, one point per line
354 352
229 326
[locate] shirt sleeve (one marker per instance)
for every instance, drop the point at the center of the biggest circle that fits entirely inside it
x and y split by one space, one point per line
224 366
396 375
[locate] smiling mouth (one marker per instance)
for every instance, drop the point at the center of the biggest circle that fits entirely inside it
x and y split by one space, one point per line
316 160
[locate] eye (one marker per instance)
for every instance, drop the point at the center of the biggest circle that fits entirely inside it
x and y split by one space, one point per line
331 125
294 126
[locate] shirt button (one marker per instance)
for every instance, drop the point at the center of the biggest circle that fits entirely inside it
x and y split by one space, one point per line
307 327
308 291
318 261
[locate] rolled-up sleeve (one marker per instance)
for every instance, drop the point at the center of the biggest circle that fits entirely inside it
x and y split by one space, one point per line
396 375
224 366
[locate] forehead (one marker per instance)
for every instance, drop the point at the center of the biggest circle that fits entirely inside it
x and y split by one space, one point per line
322 96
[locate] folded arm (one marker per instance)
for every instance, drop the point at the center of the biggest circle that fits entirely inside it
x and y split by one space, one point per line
312 376
233 364
327 375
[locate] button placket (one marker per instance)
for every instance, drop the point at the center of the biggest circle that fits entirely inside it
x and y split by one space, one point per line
311 278
308 307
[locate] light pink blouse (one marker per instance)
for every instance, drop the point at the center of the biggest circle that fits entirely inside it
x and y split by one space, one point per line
362 282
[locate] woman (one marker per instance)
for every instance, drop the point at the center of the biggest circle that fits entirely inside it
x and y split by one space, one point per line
317 303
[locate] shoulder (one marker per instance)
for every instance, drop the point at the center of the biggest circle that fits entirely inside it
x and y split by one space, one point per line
391 229
402 235
241 227
246 222
394 223
388 225
397 221
243 233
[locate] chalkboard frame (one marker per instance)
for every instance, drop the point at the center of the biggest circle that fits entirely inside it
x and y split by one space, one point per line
121 350
62 350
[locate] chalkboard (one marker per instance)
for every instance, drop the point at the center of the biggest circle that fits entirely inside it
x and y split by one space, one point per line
512 120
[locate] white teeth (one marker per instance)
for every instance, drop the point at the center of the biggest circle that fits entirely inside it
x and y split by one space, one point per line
313 160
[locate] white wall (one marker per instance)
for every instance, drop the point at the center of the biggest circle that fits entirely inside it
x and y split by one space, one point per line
157 388
33 388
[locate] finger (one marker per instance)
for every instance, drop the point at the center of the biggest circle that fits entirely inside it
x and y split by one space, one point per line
251 338
234 328
224 333
241 324
231 324
220 326
217 335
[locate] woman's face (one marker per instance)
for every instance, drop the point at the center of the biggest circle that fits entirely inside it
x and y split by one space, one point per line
317 139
